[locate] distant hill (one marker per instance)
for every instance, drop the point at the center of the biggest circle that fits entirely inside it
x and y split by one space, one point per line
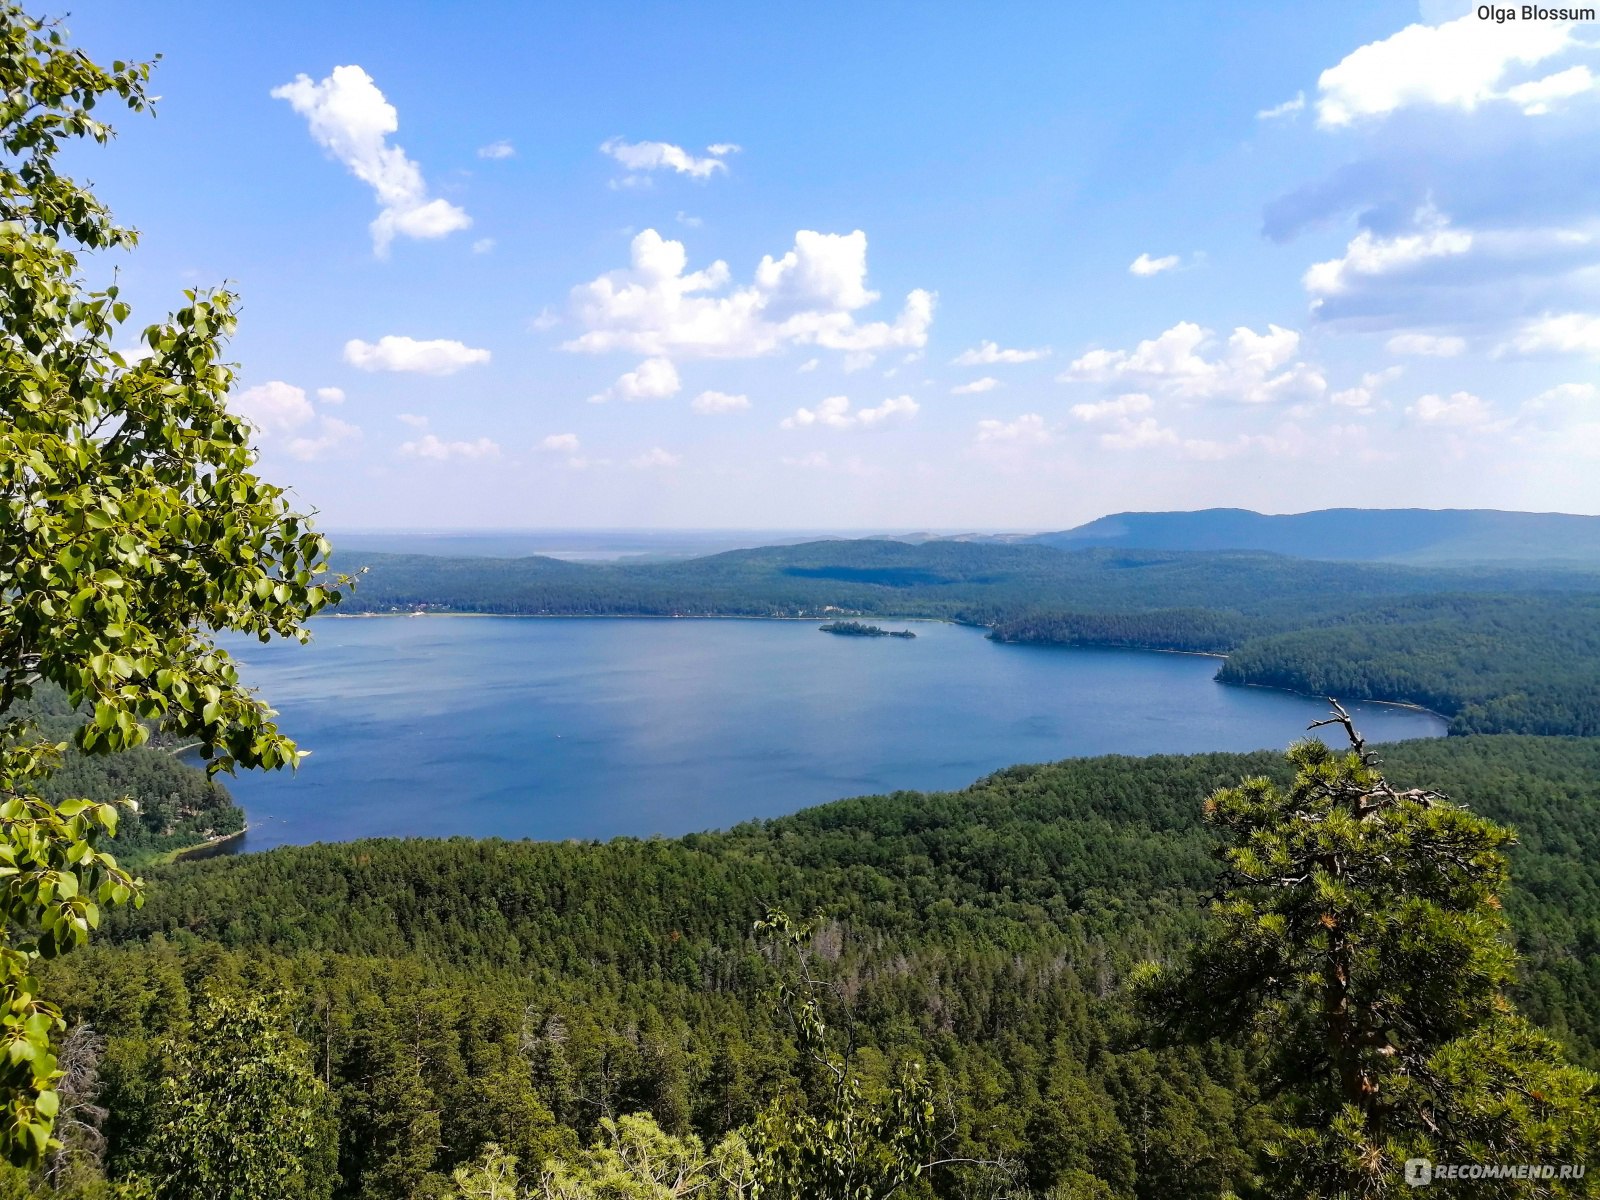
1409 535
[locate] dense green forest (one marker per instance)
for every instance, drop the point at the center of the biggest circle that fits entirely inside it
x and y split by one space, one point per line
974 582
1495 649
534 989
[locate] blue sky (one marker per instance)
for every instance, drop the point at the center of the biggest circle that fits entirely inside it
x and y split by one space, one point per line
878 266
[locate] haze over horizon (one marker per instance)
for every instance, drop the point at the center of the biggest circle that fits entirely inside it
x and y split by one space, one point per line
553 269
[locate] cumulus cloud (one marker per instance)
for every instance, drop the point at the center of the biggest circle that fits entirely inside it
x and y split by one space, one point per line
641 157
1138 435
1114 408
653 379
560 443
1287 109
989 353
415 420
835 413
1426 345
433 447
1145 265
1028 428
1564 333
1427 271
1460 64
330 395
274 407
808 297
655 457
438 356
1369 255
987 384
350 118
281 413
1460 409
1251 368
500 149
708 403
331 433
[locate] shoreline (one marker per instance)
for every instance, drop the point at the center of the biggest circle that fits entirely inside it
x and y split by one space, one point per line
205 849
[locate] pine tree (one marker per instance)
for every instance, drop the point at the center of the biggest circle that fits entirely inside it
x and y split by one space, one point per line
1358 942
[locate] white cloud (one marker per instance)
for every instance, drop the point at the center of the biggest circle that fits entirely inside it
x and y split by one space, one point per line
808 297
1460 409
500 149
1145 265
688 221
330 395
1565 333
987 384
560 443
274 407
331 433
989 353
350 118
835 413
1535 97
1138 435
1459 64
430 446
708 403
1363 397
1028 428
1287 109
1568 402
1253 368
810 364
655 457
483 245
439 356
653 379
279 410
1116 407
1426 345
723 149
414 420
1369 255
638 157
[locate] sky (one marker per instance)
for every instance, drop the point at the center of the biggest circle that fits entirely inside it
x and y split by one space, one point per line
909 266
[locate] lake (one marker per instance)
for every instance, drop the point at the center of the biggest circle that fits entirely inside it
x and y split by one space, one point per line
591 728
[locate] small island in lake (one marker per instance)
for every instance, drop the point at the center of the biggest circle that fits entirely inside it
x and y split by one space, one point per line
858 629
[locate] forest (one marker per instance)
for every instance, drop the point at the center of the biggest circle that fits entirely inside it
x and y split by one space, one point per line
456 993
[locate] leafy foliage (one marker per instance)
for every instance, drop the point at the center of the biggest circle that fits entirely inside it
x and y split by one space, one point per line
131 527
243 1116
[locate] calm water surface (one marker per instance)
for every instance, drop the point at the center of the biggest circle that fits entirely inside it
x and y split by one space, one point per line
561 728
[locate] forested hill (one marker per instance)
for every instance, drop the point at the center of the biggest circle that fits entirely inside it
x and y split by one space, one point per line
1497 649
534 988
975 582
1411 535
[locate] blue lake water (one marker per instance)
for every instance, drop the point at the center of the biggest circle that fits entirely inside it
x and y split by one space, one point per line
575 728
